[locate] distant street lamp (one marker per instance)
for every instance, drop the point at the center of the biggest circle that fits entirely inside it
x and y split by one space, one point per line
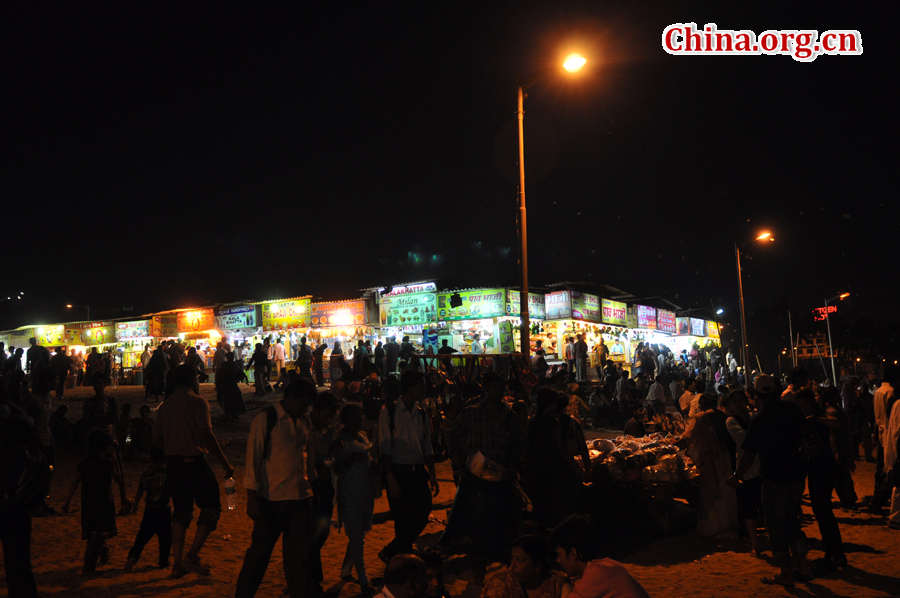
573 63
86 307
745 354
840 297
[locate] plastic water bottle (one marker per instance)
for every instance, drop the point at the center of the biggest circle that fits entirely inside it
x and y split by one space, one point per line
230 497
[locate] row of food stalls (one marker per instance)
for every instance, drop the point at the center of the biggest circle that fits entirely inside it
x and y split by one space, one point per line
426 316
421 311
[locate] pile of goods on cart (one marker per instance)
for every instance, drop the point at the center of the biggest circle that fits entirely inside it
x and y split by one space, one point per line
653 459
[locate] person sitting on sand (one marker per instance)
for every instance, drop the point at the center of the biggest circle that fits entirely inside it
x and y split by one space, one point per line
528 575
578 554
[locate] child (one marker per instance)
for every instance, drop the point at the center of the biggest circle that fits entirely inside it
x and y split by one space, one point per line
157 519
96 473
283 379
355 498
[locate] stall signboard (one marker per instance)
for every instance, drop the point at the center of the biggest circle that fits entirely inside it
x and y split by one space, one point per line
73 334
585 307
412 289
408 310
19 338
665 321
558 305
712 329
50 336
646 317
631 320
4 338
98 333
683 326
195 320
476 305
130 330
286 315
612 312
698 327
536 308
235 318
164 326
340 313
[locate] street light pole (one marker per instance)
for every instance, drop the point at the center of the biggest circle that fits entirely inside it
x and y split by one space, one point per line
525 328
744 353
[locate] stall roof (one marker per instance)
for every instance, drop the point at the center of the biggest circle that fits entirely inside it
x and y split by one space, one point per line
603 289
175 311
340 301
277 300
654 301
399 284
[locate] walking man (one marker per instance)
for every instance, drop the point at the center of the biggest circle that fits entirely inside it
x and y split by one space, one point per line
391 353
280 466
581 356
408 462
183 429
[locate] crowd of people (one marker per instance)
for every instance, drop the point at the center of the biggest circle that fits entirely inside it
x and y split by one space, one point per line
516 446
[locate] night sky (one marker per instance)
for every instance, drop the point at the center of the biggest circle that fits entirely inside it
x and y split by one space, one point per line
211 155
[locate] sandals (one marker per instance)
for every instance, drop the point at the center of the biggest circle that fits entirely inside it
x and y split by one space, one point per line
777 580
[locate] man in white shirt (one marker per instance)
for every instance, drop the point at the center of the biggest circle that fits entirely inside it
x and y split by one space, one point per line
477 348
656 397
687 398
408 461
882 493
799 381
280 464
891 445
279 356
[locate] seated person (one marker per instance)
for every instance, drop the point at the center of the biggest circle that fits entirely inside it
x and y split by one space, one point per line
635 425
578 554
528 575
283 379
434 572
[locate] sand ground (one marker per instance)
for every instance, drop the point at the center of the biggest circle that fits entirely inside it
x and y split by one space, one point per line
683 565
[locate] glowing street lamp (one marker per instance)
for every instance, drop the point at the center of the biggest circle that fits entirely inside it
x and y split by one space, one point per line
86 307
840 297
573 63
745 353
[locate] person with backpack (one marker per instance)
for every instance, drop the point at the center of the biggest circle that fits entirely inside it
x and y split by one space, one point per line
407 460
280 466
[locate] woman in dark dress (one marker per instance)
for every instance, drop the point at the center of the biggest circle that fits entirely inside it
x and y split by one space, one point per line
96 473
228 392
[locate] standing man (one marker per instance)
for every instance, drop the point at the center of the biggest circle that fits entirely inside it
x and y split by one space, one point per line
407 459
183 429
280 466
883 398
318 355
391 353
279 355
304 359
481 510
3 356
775 436
62 365
570 356
581 355
406 349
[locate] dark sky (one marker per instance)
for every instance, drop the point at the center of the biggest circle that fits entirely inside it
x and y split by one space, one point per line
167 159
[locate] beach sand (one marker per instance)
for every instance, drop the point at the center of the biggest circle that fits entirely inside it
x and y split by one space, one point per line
683 565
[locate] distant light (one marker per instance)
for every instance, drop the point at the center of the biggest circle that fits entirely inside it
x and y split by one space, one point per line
857 359
720 311
765 235
69 305
844 296
574 62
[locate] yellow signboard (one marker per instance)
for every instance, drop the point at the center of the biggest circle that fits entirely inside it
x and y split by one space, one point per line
50 336
285 315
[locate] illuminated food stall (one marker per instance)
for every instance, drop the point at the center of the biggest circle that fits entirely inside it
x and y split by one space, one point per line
346 321
18 338
197 327
163 328
238 323
98 334
512 321
132 337
479 312
409 311
691 331
50 336
288 318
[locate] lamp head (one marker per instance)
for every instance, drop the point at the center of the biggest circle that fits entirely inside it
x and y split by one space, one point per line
69 305
720 311
764 236
574 62
843 296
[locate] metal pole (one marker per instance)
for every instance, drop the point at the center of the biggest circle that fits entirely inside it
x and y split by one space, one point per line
744 352
791 338
716 320
834 380
525 329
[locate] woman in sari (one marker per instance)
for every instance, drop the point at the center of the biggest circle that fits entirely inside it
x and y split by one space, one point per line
528 575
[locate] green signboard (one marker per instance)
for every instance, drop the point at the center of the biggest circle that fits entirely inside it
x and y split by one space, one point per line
476 305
